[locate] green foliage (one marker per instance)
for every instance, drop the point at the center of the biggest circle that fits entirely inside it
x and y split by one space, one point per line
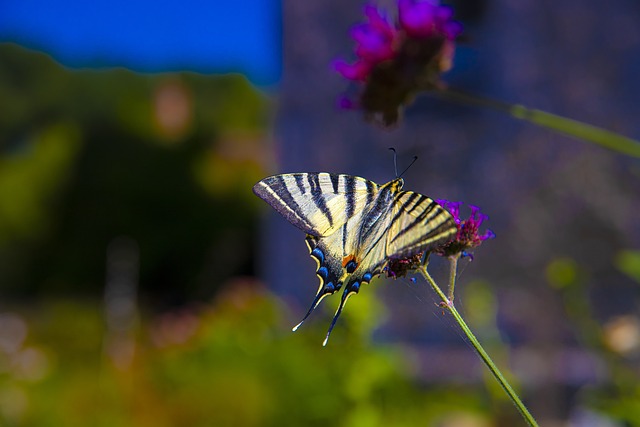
234 363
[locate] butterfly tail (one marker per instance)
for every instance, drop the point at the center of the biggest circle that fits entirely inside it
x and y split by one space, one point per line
349 290
325 290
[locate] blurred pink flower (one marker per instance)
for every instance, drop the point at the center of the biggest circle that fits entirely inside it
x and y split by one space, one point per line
375 42
396 61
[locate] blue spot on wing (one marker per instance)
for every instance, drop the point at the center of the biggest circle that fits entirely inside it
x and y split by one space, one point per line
318 254
323 272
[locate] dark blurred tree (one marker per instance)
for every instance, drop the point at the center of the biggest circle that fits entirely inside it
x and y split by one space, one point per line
89 156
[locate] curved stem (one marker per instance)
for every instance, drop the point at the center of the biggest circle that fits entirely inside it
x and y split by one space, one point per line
448 303
573 128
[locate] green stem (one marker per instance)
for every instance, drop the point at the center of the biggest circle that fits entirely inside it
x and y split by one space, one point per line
573 128
453 270
448 303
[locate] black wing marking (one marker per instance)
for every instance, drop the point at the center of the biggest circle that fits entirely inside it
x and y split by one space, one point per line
418 224
317 203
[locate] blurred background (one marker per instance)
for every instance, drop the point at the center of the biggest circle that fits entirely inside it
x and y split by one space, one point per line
142 282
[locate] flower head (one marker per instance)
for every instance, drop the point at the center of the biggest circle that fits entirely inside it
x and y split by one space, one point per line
400 267
395 61
468 235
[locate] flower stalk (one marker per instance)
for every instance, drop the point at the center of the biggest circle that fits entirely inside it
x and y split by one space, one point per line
453 271
563 125
448 304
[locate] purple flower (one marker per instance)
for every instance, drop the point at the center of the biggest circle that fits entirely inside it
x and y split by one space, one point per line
375 41
468 235
396 61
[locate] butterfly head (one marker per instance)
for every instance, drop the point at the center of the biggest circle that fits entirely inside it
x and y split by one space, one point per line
396 184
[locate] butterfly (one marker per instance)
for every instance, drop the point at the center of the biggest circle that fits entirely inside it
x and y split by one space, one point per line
354 226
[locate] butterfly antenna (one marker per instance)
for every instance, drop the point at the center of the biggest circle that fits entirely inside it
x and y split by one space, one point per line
323 292
348 291
407 168
395 160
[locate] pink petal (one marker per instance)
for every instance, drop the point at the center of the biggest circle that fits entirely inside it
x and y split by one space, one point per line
417 18
357 71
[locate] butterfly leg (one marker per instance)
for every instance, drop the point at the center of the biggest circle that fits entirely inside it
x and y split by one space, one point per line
327 289
349 290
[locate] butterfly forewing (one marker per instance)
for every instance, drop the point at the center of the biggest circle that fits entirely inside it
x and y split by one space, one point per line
317 203
418 224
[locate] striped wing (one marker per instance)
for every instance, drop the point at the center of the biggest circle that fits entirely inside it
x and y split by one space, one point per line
317 203
418 224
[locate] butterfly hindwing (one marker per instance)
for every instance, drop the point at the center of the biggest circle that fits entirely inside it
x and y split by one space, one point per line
329 270
336 271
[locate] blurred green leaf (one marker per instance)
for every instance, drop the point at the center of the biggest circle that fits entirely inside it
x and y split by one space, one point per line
31 177
628 262
480 305
562 272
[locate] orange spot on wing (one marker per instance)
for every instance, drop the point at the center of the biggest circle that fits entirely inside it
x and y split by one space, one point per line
346 260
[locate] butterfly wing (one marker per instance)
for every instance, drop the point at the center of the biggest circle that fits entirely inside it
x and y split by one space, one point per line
317 203
418 224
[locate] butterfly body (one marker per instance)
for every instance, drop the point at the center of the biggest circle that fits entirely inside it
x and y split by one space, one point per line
354 226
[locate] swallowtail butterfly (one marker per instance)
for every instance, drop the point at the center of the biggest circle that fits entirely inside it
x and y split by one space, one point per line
354 226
